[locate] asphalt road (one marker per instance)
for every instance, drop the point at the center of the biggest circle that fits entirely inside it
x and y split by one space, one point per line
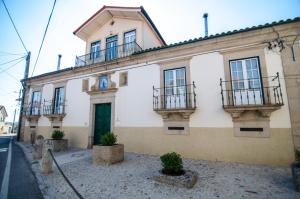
21 183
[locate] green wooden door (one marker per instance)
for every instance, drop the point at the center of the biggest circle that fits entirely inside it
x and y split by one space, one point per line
102 121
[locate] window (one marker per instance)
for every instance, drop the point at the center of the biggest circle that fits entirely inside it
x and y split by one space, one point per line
246 81
103 82
111 48
59 100
95 50
123 81
175 88
129 41
35 103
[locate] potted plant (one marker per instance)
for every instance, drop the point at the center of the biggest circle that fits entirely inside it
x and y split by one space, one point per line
172 172
108 151
171 164
59 144
296 170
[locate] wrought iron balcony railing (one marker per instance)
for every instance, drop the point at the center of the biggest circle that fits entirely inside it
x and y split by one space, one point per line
53 108
32 109
174 98
108 54
250 92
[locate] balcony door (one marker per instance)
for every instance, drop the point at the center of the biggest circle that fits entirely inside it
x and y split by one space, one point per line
59 100
175 88
129 42
246 82
95 50
111 48
35 103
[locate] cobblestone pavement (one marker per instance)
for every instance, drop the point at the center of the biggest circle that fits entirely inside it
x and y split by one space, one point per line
133 179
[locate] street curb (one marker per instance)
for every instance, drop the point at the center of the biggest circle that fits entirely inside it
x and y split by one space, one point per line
47 192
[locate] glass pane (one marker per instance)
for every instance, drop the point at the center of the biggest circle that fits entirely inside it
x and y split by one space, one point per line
248 64
129 37
254 63
239 66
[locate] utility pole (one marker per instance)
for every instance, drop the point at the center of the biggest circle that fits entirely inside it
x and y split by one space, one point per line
13 124
23 95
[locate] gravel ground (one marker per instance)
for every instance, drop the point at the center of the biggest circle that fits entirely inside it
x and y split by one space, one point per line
133 179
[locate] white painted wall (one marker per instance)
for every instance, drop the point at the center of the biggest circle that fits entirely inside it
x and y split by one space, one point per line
206 71
77 105
149 38
281 117
134 102
134 105
47 95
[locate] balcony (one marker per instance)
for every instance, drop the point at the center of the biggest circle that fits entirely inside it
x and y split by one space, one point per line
32 112
176 100
243 95
54 110
108 54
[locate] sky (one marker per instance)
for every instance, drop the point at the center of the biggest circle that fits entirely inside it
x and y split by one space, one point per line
177 20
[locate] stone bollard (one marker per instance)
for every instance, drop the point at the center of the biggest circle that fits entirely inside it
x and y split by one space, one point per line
38 147
32 137
47 161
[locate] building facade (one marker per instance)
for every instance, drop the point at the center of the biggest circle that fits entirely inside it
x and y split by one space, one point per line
225 97
5 127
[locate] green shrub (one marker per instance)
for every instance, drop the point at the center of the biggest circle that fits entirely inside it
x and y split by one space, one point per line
108 139
57 134
172 164
297 156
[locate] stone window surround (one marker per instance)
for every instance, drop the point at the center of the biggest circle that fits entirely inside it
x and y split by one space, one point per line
33 119
100 98
176 118
56 120
244 54
254 116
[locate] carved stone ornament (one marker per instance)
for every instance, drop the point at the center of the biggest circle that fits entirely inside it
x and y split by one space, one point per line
110 87
261 111
175 115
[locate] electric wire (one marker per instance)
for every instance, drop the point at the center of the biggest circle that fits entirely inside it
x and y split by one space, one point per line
45 32
7 53
14 26
10 67
11 61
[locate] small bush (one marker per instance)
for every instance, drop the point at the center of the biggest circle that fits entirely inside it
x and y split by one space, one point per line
297 156
108 139
172 164
57 134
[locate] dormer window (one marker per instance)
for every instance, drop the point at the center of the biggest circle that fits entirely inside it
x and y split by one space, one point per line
129 41
111 48
95 50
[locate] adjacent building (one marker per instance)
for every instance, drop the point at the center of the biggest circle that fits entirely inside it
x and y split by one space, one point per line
5 127
226 97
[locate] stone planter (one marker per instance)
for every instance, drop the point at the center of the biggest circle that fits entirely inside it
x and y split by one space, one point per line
296 175
187 180
59 144
108 154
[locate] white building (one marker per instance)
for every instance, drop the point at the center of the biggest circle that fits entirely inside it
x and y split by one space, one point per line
222 97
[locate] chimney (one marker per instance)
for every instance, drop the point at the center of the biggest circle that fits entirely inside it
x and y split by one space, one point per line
205 24
58 62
